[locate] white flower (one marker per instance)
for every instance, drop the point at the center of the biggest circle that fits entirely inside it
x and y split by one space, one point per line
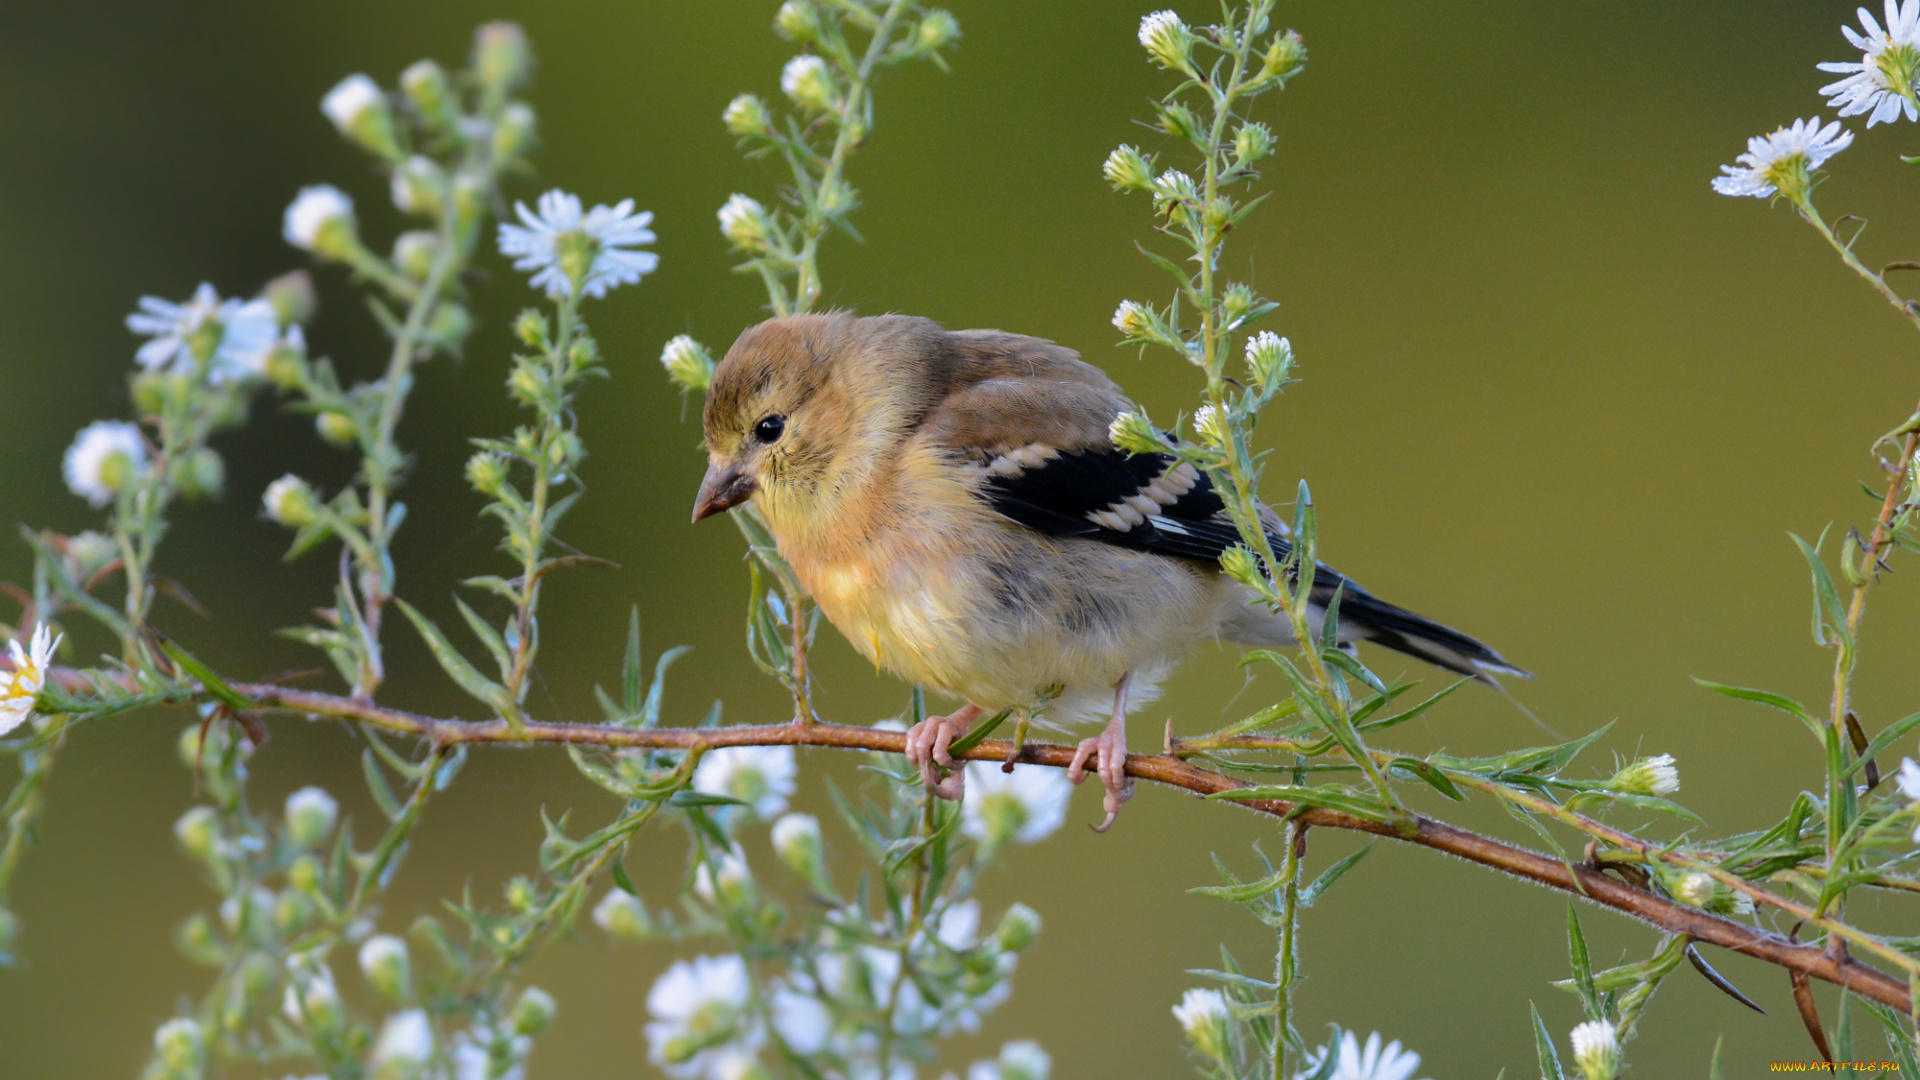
699 1009
561 243
1375 1062
1023 1060
1882 82
234 336
1694 890
1131 319
21 685
1027 804
1783 161
1210 426
383 960
1166 38
311 813
289 501
796 839
405 1039
418 186
960 924
1648 776
104 458
350 97
760 776
723 874
473 1058
1596 1050
311 999
807 81
309 216
688 364
743 221
179 1044
1203 1016
804 1023
1269 358
622 915
1909 779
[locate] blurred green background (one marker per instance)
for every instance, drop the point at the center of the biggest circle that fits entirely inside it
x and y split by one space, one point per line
1556 393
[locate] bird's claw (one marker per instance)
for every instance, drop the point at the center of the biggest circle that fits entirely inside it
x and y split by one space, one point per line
927 749
1109 753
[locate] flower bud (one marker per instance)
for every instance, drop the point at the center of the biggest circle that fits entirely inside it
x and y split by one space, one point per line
202 473
1240 565
1019 928
293 298
501 56
1648 776
1596 1050
419 186
1024 1060
747 117
1133 320
1284 57
797 21
198 831
311 814
1178 121
471 194
320 220
286 363
1210 425
180 1047
514 134
425 84
306 874
1203 1016
487 472
1174 186
532 329
583 353
449 325
796 839
533 1012
383 960
311 999
521 895
1167 40
197 940
291 910
937 31
336 428
743 221
358 108
1134 433
528 384
1252 143
623 916
1269 360
834 196
1235 302
247 913
404 1045
809 83
290 502
1128 170
89 553
689 365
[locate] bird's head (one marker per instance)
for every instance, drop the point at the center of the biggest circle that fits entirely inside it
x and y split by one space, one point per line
802 409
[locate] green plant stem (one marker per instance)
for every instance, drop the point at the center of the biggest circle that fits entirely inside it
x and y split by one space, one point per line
28 801
1286 962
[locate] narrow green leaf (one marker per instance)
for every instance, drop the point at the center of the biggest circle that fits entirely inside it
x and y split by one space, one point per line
1345 802
204 675
1402 717
464 674
1318 887
1231 978
630 673
1828 615
1543 1047
1434 777
650 710
1240 893
377 786
1716 1069
686 798
978 733
1784 704
1582 965
496 645
621 879
1352 666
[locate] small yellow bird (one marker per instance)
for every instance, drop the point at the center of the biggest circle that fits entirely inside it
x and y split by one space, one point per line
953 502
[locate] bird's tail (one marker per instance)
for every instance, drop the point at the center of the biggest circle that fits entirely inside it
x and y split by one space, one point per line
1365 617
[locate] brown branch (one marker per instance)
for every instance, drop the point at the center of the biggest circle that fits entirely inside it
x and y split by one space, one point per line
1580 879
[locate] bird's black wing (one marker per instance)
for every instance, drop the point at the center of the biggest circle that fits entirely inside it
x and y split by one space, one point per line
1153 502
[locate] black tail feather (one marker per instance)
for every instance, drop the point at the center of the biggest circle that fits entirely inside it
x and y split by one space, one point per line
1368 618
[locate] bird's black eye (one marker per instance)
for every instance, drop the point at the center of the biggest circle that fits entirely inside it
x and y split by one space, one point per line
770 428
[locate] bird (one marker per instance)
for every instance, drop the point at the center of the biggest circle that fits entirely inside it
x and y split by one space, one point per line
953 503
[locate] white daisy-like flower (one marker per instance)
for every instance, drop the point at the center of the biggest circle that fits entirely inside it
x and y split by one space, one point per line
1908 778
723 874
700 1012
1202 1014
104 458
405 1039
309 215
349 98
622 915
743 221
384 962
796 839
1883 81
1783 160
311 814
1027 804
289 501
1132 319
1648 776
803 1021
807 81
236 336
473 1058
1371 1062
1210 425
1596 1050
1166 38
1023 1060
760 776
23 683
560 243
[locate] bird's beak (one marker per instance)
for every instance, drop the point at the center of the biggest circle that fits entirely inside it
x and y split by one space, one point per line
724 488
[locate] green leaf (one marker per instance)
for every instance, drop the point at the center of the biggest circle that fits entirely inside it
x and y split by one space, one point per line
631 674
1828 615
1230 978
687 797
978 733
650 710
621 879
1543 1047
1716 1069
1321 884
377 786
1242 892
1899 1041
488 636
1784 704
1582 965
204 675
1403 717
1352 666
1893 733
464 674
1325 797
1434 777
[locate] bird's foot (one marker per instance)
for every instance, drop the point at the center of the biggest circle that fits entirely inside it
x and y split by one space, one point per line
1109 753
927 743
